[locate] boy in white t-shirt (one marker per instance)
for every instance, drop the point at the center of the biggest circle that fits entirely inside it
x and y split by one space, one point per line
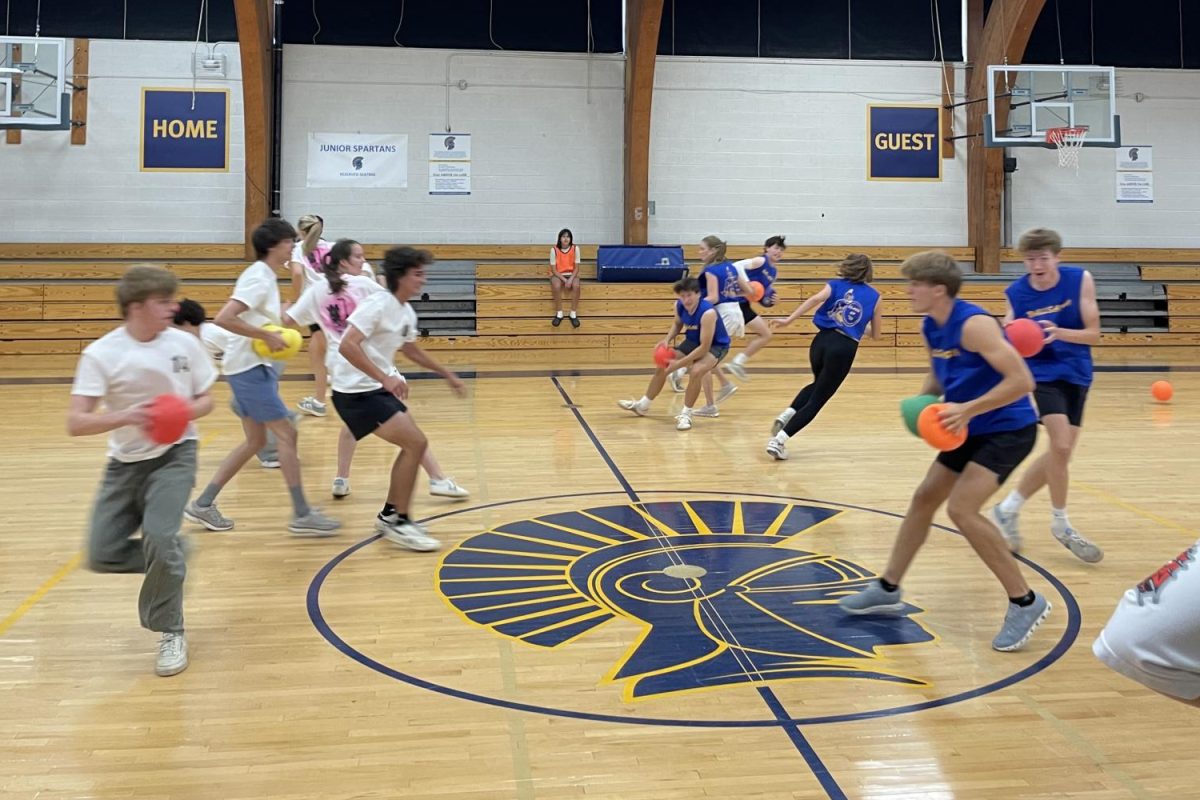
191 318
369 398
255 384
146 484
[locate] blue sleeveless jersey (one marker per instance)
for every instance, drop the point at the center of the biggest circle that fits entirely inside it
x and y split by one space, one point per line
966 375
849 308
765 275
1057 361
728 290
691 322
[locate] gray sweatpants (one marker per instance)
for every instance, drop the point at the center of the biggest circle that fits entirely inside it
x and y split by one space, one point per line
149 495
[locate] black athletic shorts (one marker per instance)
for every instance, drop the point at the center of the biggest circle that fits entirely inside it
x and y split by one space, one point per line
748 313
1060 397
717 351
314 328
363 412
999 452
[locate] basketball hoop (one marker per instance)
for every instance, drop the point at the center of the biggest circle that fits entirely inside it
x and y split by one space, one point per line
1069 142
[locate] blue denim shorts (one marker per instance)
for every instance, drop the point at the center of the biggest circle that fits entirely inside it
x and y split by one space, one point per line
256 394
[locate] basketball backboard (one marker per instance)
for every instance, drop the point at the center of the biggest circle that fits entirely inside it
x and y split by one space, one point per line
33 81
1027 100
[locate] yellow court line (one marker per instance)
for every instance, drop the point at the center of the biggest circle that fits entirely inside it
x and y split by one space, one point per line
1116 501
32 600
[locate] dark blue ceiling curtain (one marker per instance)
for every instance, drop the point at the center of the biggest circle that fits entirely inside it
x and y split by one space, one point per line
107 19
1116 33
545 25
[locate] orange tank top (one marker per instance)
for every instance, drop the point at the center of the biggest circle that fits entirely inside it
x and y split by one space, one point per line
564 262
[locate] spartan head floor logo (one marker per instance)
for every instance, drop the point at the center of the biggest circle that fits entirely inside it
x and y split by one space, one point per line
724 593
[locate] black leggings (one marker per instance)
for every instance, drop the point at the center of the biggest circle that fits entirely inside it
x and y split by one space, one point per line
831 356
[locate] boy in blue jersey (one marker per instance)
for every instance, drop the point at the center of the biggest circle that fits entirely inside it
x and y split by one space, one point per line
760 269
847 307
705 343
1062 300
986 387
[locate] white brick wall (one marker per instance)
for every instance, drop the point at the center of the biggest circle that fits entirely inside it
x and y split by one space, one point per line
56 192
743 148
1083 207
546 150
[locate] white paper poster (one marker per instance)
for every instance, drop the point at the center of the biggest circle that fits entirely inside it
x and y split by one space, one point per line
1135 158
358 160
1135 187
449 163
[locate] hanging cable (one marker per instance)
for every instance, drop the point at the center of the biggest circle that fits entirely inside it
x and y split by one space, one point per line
1181 34
1058 27
125 21
316 20
1092 26
759 45
491 3
940 48
591 41
849 33
396 33
8 13
672 27
199 26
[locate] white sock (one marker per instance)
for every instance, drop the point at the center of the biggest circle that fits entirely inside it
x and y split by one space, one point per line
1012 504
644 402
572 314
1058 519
687 412
781 437
740 358
559 314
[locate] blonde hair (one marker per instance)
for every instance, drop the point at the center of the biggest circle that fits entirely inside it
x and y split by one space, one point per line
856 268
1040 239
935 268
310 227
143 281
717 246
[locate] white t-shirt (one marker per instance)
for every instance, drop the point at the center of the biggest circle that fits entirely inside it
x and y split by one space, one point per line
319 306
216 340
387 324
312 272
258 288
123 372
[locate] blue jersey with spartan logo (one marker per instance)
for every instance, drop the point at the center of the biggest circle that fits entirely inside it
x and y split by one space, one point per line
1058 360
765 275
691 322
849 308
965 375
728 290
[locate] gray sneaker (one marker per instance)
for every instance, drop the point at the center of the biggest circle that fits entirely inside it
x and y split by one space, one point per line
341 487
1081 547
736 369
314 523
208 516
782 420
635 406
1020 623
725 392
1007 523
873 600
777 449
172 655
313 407
407 534
676 380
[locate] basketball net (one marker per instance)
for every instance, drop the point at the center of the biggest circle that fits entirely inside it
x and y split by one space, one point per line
1069 142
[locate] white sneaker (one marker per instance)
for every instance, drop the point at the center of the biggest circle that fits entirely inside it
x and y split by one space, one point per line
706 411
407 534
312 407
633 405
676 380
777 449
446 487
683 422
341 487
269 463
737 369
172 655
725 393
782 420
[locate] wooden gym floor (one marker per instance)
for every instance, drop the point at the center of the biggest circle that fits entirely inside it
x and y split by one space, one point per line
549 652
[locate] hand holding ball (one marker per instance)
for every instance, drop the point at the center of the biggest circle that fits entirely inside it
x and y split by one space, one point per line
911 408
663 356
291 339
935 434
169 417
756 291
1026 337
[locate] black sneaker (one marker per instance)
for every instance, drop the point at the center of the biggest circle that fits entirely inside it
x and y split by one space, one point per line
574 322
556 321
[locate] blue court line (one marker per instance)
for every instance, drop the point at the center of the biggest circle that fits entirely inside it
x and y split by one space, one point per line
823 776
